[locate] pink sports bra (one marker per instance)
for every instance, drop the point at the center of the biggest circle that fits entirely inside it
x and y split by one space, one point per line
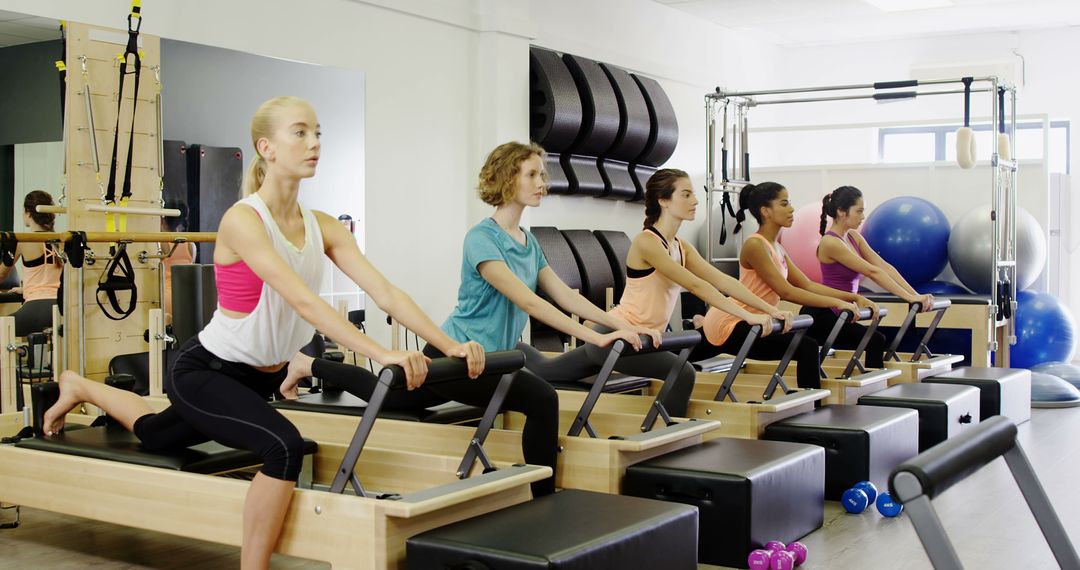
239 288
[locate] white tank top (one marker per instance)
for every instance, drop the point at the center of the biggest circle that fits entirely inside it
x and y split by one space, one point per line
274 331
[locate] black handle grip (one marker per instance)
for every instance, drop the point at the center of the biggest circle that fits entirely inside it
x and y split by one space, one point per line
947 463
896 84
895 95
447 369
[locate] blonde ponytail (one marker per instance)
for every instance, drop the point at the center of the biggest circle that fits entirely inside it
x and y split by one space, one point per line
254 177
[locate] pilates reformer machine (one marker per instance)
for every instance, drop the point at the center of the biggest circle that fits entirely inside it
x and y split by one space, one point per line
727 116
361 509
743 400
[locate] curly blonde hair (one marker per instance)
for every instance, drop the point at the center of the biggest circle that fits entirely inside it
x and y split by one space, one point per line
499 174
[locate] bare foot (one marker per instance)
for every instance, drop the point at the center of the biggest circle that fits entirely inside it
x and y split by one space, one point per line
70 396
299 368
699 321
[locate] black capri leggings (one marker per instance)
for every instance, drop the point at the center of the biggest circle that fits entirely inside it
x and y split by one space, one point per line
33 316
849 337
771 347
528 394
585 361
228 402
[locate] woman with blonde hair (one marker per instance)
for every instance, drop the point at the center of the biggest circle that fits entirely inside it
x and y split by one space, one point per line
269 261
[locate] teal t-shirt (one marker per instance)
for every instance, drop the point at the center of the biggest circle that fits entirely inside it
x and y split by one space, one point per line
483 314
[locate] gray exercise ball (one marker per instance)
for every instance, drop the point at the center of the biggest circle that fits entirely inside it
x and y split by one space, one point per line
1049 391
970 255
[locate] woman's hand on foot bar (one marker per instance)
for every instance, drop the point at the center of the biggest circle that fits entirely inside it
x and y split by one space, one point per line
414 363
473 353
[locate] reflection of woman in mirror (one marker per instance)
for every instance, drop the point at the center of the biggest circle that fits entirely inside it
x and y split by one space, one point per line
42 269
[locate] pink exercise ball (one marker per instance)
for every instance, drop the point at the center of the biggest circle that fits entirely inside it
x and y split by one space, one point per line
802 238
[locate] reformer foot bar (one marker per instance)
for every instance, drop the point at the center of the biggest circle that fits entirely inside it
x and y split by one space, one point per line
799 325
918 481
842 320
914 309
681 341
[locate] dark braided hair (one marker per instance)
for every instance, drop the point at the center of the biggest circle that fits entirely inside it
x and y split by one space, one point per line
841 199
660 186
754 197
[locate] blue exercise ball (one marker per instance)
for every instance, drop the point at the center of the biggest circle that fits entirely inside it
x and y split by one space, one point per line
1067 372
1045 331
912 234
941 288
1048 391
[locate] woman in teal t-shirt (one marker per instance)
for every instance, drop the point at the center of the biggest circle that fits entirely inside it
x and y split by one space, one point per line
501 270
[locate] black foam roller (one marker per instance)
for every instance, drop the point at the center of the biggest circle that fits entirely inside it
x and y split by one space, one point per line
617 179
599 107
596 275
557 181
554 104
664 133
640 174
583 175
634 126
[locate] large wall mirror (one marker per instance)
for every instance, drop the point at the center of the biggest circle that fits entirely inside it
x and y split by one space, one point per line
208 97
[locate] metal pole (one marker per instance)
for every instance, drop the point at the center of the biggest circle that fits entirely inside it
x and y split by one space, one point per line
710 159
722 95
863 96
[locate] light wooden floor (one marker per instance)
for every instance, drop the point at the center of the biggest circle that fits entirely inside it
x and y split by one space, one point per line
986 516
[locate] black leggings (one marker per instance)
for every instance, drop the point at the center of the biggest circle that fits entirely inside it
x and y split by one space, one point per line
33 316
228 402
585 361
850 335
771 347
528 394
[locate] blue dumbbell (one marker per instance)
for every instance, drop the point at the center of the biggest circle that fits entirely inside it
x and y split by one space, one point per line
854 500
887 506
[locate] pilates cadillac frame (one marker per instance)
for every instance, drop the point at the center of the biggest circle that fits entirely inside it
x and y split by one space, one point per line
731 109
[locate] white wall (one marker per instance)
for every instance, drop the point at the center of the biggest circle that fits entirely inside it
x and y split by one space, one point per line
446 81
38 167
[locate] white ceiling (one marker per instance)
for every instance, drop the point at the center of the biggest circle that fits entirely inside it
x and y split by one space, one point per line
18 29
819 22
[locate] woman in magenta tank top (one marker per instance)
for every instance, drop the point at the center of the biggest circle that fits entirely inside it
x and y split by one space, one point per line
845 259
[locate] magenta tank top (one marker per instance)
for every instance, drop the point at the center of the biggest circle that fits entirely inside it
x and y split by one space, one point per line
836 274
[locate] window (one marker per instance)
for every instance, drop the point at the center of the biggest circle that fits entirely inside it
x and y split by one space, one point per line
927 143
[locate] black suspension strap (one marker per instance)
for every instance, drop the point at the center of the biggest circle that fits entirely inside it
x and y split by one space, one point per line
130 52
726 209
119 276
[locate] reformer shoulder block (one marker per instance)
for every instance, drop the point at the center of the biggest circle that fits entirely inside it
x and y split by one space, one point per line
572 530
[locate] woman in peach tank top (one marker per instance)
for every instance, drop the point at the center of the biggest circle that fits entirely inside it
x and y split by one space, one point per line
658 266
42 269
766 269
